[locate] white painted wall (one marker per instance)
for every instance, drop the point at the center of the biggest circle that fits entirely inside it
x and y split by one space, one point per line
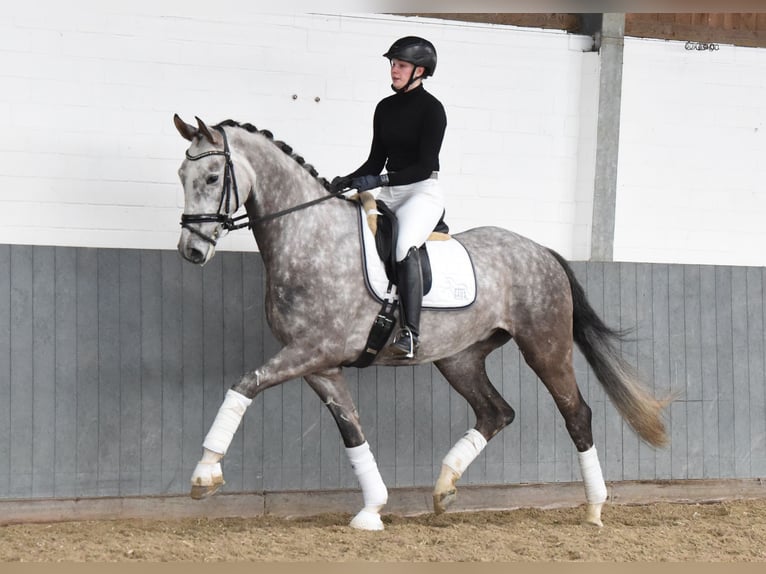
692 172
89 153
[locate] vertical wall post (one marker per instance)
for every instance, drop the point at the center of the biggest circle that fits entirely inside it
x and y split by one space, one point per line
608 137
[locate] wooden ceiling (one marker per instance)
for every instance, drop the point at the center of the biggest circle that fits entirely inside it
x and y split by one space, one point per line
741 29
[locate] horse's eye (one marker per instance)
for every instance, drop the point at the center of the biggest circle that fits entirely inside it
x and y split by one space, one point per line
212 179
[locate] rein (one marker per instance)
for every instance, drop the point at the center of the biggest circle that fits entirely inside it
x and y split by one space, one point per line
223 218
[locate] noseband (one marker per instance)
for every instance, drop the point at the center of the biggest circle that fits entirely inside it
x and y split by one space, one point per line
222 216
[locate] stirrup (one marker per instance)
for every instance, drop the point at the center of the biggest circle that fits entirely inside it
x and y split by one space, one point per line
405 344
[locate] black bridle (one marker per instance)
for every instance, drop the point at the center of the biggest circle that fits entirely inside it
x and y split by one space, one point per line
222 216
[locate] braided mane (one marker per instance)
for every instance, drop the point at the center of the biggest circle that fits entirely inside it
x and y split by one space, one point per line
281 145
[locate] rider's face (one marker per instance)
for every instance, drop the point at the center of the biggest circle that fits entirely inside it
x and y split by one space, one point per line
401 72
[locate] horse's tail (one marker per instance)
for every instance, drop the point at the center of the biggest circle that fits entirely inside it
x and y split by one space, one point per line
597 342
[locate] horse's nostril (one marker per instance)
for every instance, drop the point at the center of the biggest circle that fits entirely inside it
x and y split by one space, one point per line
195 255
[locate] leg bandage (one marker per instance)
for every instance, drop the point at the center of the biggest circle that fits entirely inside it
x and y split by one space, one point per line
226 422
465 451
363 462
595 488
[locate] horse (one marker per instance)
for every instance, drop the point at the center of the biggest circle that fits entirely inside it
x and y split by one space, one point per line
320 309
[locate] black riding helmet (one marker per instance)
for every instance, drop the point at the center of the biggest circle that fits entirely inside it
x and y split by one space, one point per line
415 50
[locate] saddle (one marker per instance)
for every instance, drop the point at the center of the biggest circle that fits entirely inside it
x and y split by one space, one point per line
384 226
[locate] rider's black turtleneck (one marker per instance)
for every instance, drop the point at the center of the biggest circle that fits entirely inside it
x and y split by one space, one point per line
408 130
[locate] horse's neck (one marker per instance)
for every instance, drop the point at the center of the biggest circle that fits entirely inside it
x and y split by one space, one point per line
315 236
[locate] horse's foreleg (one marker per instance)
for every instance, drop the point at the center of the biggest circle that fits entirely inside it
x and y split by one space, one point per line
289 363
332 389
207 477
467 375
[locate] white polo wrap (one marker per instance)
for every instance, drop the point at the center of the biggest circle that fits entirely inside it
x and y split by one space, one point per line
595 488
226 422
374 490
465 451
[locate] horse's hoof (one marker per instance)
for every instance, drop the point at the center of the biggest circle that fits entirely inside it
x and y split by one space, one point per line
593 516
444 500
367 520
201 492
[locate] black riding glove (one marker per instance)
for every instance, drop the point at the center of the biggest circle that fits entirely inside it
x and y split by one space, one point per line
367 182
339 183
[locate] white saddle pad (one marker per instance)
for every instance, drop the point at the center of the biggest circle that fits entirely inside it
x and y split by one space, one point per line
453 282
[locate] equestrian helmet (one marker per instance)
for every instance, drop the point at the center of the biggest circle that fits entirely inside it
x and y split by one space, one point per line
416 51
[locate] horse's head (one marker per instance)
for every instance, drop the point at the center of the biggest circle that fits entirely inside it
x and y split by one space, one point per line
212 179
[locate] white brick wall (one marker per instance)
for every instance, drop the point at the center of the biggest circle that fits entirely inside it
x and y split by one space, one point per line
692 175
89 153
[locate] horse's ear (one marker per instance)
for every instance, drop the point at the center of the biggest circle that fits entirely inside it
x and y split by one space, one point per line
188 131
204 130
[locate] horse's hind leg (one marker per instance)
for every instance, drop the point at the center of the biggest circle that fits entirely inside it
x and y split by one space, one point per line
553 364
331 387
467 375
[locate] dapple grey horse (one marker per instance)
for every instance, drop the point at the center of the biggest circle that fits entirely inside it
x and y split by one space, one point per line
319 308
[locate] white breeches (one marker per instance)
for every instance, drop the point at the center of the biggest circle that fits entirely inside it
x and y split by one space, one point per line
418 207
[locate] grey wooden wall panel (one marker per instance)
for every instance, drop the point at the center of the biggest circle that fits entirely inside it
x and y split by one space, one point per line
113 364
87 372
422 455
65 397
386 427
740 375
756 368
130 372
151 372
109 384
709 372
677 364
44 382
22 373
661 356
174 476
691 387
725 373
403 430
5 369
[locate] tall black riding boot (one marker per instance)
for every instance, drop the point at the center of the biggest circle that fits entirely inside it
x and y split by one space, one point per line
410 288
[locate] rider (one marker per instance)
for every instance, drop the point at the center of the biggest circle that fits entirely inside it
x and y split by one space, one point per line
408 129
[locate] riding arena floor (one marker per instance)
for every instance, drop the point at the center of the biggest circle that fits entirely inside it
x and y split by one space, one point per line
730 531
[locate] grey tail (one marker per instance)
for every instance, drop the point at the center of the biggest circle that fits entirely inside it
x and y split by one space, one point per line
599 345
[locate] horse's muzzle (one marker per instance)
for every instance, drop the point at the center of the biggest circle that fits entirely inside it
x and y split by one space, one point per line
193 251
